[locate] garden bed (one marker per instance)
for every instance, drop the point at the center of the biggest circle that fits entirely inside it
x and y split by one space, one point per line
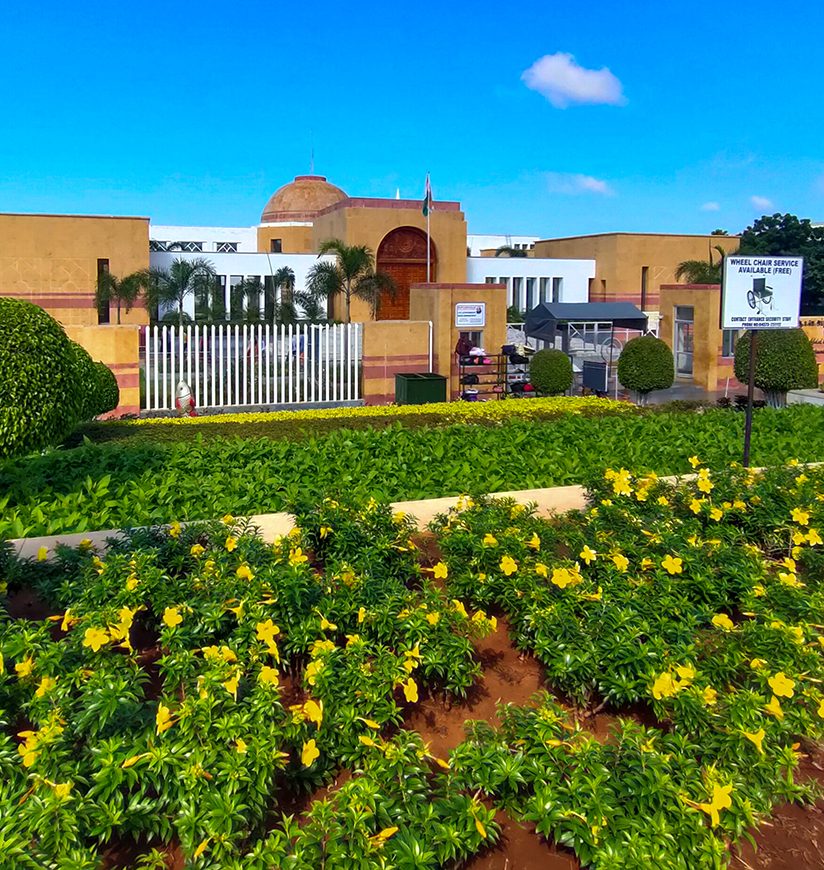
113 486
198 688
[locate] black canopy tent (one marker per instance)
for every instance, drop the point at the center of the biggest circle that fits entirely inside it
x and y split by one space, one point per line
548 318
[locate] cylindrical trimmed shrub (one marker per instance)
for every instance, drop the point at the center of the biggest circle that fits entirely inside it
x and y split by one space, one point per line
550 372
39 395
86 375
646 364
784 360
108 393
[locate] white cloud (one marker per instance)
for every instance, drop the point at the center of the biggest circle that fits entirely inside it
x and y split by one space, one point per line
761 202
711 206
563 82
573 183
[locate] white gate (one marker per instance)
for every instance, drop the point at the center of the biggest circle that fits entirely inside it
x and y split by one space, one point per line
248 365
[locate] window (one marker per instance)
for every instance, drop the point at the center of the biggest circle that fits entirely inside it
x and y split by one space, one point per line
728 339
236 297
490 280
269 298
225 247
155 245
516 293
254 289
276 246
476 339
202 307
557 289
644 283
188 247
683 339
544 291
219 299
103 300
530 294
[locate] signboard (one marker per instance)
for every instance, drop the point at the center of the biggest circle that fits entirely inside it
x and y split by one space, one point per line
468 314
761 292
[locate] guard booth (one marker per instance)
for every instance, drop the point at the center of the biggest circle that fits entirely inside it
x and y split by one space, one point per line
592 334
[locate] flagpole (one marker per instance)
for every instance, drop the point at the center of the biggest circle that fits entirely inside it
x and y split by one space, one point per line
428 241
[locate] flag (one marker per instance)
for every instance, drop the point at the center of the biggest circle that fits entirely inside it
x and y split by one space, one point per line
427 197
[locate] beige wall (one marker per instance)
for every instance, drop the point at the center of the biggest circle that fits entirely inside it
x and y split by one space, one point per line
51 260
620 258
436 302
391 347
117 347
294 240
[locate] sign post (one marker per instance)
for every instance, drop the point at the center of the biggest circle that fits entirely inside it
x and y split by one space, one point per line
759 292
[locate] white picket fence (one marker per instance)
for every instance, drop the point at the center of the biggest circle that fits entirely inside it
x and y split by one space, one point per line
245 365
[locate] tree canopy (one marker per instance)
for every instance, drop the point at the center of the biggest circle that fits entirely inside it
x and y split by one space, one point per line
788 236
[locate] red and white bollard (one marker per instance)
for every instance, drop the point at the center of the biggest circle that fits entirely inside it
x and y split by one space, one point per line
185 402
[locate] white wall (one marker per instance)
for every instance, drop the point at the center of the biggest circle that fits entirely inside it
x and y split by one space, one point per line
236 266
570 278
477 243
210 237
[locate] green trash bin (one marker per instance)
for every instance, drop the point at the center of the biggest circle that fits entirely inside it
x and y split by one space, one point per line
419 388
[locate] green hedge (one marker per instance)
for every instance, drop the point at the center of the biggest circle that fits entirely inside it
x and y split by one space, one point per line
645 365
107 393
111 485
550 372
86 377
784 360
40 400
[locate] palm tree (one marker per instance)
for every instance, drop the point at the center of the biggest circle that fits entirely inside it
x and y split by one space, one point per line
184 277
123 291
509 251
702 271
353 274
275 311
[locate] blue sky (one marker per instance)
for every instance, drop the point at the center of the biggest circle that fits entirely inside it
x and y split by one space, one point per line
659 117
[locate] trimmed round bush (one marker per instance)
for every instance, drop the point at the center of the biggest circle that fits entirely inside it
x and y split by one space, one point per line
784 360
39 396
107 393
646 364
550 372
86 375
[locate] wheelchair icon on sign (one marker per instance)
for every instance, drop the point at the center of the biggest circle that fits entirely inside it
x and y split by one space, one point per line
760 298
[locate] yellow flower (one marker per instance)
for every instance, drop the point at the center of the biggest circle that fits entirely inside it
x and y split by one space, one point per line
709 696
721 800
759 591
366 740
297 557
24 669
664 686
172 617
231 684
620 483
813 538
774 708
490 540
325 625
801 517
240 746
534 542
231 543
95 638
310 753
440 571
663 500
313 711
716 514
267 631
62 790
197 550
757 737
46 685
227 519
163 719
588 555
269 676
201 848
370 723
705 485
672 564
541 569
131 584
646 563
722 621
694 461
410 691
563 577
757 664
695 505
361 614
621 562
686 673
781 685
42 554
244 572
508 565
382 836
820 710
174 529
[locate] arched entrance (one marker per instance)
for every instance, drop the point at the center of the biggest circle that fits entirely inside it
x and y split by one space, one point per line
402 254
